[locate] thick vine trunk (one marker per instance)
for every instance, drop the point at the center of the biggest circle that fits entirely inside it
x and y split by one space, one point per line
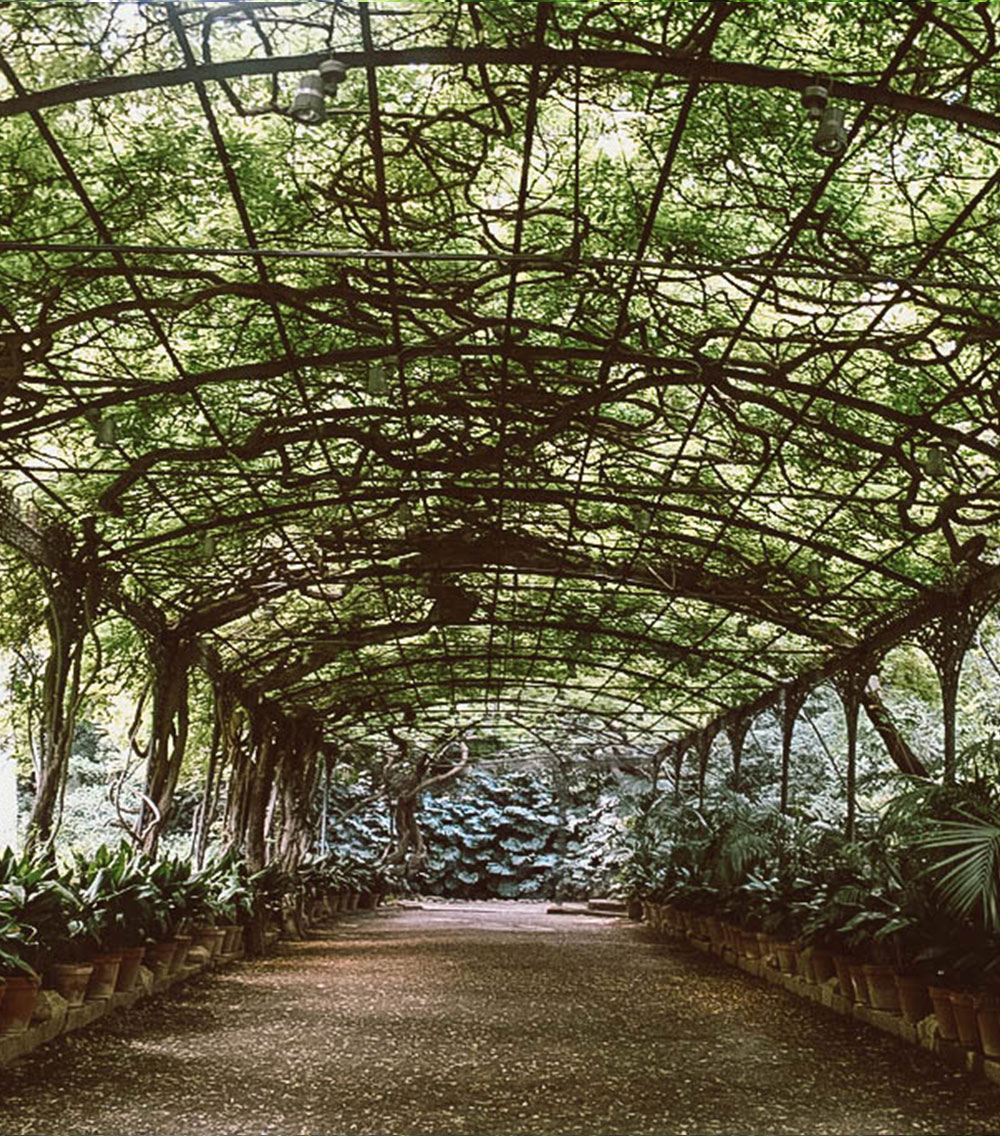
66 621
298 767
205 811
172 659
405 781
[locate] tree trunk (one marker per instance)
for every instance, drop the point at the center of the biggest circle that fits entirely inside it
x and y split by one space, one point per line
900 752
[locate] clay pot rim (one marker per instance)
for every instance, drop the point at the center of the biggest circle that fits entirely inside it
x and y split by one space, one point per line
967 997
34 979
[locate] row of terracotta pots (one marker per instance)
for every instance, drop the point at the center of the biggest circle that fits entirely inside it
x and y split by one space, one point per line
970 1018
95 980
114 972
341 902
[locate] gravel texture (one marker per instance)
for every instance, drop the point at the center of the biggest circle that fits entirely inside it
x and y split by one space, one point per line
485 1018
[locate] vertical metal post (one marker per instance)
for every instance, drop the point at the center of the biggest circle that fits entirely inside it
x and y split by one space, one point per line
703 748
946 641
679 752
792 701
850 686
324 845
736 731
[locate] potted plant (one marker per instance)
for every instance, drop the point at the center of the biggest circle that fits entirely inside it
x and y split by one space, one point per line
235 897
65 927
119 888
168 941
18 981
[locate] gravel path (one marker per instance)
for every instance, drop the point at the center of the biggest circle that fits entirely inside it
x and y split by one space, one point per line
485 1018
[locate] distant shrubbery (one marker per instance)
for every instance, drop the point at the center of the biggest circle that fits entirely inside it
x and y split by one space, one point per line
500 835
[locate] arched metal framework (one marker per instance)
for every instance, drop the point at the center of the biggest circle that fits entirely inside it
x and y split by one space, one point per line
554 369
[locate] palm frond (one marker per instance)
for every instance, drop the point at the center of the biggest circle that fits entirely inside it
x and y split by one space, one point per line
969 879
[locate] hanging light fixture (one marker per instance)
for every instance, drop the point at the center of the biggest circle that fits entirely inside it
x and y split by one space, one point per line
208 545
332 73
743 629
936 461
376 378
830 138
105 433
309 105
641 519
814 99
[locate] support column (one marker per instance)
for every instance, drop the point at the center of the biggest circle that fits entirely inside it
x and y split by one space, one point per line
792 701
736 732
680 750
850 685
703 749
946 641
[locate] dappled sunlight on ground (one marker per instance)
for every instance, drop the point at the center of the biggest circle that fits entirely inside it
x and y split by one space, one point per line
486 1018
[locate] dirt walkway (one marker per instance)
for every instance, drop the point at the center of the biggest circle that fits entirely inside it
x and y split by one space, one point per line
485 1018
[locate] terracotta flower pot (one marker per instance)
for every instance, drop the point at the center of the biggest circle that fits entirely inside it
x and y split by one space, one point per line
159 956
229 942
988 1020
914 1001
822 965
204 937
103 977
180 953
944 1011
128 972
788 957
18 1003
963 1002
70 979
842 965
804 963
859 982
882 992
